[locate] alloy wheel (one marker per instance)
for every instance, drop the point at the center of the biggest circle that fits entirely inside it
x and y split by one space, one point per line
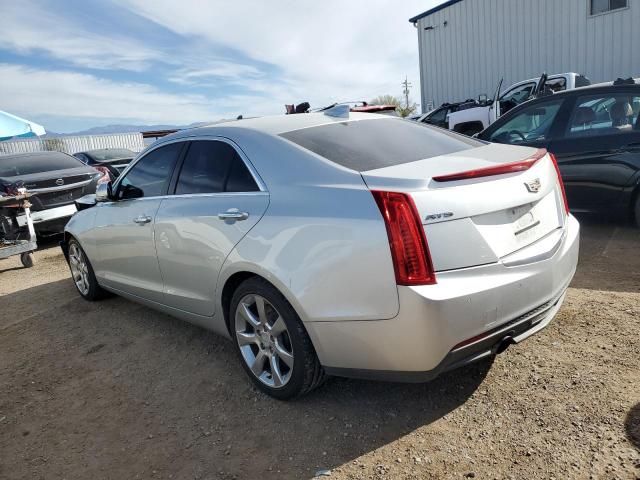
79 268
264 341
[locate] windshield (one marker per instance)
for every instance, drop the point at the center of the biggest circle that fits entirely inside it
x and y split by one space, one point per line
14 166
371 144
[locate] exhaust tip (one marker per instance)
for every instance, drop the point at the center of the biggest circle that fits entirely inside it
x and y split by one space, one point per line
504 344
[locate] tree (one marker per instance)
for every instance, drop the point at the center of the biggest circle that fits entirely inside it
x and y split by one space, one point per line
385 100
403 110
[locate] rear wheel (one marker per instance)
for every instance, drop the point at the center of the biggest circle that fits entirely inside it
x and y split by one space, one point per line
82 273
273 346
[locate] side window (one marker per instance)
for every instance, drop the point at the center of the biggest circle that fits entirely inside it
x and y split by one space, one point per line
596 115
556 84
519 94
81 157
213 167
529 125
438 116
150 176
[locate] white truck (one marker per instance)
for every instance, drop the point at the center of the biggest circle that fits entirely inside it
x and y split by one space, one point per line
474 120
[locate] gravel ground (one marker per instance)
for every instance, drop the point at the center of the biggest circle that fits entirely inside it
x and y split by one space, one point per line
115 390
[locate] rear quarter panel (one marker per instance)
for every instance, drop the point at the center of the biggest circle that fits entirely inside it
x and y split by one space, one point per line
322 241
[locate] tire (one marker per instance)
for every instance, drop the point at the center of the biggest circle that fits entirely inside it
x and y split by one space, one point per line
266 331
82 273
27 260
636 211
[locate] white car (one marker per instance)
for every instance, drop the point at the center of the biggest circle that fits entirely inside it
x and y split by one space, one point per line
473 120
335 243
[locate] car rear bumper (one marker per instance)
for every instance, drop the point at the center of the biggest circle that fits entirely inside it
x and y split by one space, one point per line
42 216
468 315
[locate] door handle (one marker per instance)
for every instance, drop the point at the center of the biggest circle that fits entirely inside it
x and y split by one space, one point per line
142 219
233 214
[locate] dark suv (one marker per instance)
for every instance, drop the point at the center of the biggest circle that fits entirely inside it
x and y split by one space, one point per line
594 132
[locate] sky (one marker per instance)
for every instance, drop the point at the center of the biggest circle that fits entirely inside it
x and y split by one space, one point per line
75 64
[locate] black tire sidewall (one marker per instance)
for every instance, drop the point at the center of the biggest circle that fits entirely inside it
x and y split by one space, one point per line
296 330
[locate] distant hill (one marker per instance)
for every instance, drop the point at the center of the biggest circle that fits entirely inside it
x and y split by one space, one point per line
126 129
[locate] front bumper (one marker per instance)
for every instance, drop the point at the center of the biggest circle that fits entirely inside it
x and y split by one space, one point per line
432 331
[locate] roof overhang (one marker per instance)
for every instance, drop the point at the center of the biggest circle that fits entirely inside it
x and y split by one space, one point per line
433 10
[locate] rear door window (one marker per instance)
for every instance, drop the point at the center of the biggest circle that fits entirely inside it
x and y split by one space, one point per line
371 144
597 115
212 166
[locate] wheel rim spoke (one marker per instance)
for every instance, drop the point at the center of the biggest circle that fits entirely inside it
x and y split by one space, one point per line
245 338
262 315
247 315
285 356
278 327
258 364
276 375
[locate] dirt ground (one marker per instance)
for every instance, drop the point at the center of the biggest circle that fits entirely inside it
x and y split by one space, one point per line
115 390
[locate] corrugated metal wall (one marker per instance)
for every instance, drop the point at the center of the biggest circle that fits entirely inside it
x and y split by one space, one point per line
485 40
132 141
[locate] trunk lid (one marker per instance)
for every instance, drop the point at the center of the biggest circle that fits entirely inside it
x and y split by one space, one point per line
479 220
58 187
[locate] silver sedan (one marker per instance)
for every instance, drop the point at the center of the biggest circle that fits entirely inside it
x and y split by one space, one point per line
334 243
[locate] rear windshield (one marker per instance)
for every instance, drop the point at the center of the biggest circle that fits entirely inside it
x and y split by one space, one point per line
15 166
111 154
370 144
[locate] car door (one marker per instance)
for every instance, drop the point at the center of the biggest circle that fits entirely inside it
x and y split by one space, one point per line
598 149
217 199
126 251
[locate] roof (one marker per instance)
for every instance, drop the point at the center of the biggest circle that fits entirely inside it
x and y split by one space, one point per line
51 153
434 10
276 124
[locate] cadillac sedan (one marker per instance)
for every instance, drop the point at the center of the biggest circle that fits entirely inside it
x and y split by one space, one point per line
335 243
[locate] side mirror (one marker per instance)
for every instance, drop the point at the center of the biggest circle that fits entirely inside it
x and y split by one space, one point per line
483 98
103 192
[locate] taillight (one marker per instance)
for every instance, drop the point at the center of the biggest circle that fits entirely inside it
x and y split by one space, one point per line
408 243
513 167
106 176
560 182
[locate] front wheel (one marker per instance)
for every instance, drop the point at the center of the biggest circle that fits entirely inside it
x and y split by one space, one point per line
273 345
82 273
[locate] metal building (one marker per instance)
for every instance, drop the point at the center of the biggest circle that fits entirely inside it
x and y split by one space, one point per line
467 46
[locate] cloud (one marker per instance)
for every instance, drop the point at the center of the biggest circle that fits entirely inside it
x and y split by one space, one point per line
38 92
214 71
227 58
28 28
324 51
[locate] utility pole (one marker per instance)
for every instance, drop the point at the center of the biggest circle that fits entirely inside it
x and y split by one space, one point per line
405 91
